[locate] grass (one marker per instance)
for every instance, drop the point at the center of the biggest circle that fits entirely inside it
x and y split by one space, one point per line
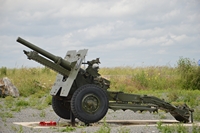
34 85
178 128
68 129
105 128
30 81
42 114
6 115
123 130
142 78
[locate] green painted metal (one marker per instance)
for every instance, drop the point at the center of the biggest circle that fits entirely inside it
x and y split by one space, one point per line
56 59
90 103
71 77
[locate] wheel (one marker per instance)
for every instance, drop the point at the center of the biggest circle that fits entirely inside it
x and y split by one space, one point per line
61 107
89 103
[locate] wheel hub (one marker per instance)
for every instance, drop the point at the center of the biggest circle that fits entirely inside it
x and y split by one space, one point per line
90 103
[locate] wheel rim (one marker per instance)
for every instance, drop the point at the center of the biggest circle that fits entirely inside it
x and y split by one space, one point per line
90 103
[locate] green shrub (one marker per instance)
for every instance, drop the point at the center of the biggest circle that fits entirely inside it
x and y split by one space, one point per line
30 81
142 78
105 128
68 129
42 114
195 128
3 71
197 115
178 128
48 100
40 103
190 73
6 115
123 130
9 101
22 103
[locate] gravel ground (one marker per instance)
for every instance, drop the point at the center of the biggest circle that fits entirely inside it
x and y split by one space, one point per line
34 115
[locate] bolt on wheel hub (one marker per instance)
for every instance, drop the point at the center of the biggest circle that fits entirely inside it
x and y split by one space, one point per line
90 103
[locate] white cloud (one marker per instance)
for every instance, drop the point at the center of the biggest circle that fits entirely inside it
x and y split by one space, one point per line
161 51
125 31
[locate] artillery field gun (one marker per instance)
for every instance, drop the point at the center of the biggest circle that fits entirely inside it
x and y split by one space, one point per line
83 93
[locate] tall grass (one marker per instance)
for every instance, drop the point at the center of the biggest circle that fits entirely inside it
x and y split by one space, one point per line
185 76
142 78
30 81
190 73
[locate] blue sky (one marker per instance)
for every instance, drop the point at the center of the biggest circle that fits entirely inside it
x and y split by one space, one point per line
121 32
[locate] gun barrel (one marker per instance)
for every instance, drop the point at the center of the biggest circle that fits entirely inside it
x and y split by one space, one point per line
52 57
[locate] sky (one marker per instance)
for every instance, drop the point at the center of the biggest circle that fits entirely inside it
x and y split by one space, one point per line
121 33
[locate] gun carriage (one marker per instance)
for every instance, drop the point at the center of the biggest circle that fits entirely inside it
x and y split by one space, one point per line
84 93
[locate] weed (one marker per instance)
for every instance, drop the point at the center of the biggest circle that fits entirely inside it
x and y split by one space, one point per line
39 103
3 71
33 101
41 106
142 78
3 118
190 73
17 130
16 109
68 129
22 103
104 128
173 96
195 128
33 115
178 128
14 128
162 116
196 114
164 129
20 129
39 130
123 130
31 80
42 114
48 100
1 107
6 115
83 131
159 125
9 101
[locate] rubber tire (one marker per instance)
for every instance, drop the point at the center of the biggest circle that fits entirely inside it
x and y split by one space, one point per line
59 108
76 103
